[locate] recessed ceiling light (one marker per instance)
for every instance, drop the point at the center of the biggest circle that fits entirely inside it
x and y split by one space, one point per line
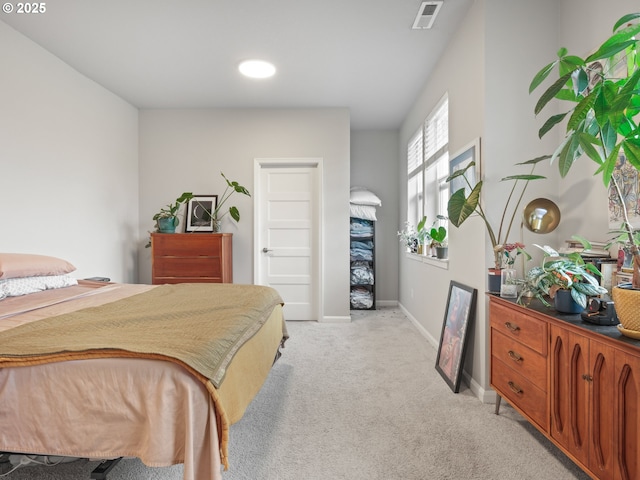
257 69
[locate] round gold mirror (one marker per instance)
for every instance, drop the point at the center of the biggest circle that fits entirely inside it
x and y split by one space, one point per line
541 216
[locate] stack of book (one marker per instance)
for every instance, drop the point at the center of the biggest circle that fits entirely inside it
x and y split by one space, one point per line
598 249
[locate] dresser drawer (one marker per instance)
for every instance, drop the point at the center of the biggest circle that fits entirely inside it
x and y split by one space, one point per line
520 392
520 326
188 244
520 358
187 267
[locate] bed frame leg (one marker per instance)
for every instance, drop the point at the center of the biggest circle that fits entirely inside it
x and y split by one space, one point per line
101 471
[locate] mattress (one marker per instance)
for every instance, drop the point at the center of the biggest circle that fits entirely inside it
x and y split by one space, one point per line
149 408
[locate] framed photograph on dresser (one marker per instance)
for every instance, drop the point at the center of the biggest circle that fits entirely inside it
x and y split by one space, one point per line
460 310
199 214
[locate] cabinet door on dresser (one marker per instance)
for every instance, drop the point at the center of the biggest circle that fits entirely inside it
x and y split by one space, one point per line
582 373
626 421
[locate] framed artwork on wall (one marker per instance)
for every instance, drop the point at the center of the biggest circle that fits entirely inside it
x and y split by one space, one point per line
199 214
460 311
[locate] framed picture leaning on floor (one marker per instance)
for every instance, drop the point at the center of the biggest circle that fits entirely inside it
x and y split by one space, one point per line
460 311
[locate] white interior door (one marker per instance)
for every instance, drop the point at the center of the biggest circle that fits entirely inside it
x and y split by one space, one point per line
288 232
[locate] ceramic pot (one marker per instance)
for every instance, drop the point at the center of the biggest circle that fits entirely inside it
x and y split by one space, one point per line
217 226
563 302
442 252
167 225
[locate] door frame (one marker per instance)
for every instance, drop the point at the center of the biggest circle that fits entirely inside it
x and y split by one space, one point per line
293 162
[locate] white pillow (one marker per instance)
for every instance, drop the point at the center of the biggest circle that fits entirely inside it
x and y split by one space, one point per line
362 196
15 287
368 212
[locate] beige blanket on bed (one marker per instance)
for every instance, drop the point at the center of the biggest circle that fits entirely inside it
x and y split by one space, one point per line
200 326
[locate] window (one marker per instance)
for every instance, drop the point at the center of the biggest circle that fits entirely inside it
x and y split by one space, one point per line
428 166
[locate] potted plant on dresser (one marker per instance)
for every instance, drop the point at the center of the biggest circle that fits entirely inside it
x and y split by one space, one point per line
567 279
218 213
462 205
603 91
167 218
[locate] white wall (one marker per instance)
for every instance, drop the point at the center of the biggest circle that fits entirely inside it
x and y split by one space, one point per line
185 150
68 164
374 164
424 287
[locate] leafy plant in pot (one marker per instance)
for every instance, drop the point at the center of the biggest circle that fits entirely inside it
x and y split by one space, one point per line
167 218
564 278
602 124
218 213
462 205
438 241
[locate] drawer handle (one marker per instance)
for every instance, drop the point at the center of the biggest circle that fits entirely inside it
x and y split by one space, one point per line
511 326
514 356
514 388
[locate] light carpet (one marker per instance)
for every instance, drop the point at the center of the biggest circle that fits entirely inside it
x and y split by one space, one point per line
363 401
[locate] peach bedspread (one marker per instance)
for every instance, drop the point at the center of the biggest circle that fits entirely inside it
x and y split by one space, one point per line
112 407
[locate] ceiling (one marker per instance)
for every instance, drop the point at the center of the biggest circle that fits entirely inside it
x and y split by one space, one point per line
359 54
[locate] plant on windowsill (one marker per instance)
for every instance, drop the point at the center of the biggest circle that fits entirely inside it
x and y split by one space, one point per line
603 125
408 237
564 273
439 239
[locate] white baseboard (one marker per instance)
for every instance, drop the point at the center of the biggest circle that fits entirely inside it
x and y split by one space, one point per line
327 319
484 395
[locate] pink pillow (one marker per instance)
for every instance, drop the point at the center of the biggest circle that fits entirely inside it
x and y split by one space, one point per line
16 265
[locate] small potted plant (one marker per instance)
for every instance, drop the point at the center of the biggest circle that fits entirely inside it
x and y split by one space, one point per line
567 279
218 213
409 237
167 218
438 241
422 236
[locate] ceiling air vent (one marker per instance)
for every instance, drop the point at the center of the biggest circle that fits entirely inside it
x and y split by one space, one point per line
427 14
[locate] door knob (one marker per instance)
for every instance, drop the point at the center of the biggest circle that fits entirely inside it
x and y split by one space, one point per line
266 250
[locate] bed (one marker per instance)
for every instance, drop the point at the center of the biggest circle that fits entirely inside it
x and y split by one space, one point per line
104 370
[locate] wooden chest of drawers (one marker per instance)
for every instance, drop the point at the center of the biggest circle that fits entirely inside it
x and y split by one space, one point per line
519 365
191 257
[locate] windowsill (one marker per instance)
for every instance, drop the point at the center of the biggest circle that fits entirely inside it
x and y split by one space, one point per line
436 262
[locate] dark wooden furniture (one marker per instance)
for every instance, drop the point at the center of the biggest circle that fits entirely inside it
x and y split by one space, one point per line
578 383
191 257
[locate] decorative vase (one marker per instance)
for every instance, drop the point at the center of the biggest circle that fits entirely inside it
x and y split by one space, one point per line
217 226
508 285
167 224
442 252
420 249
493 280
563 302
627 305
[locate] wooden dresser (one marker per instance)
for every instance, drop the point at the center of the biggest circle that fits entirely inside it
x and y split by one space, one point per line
578 383
191 257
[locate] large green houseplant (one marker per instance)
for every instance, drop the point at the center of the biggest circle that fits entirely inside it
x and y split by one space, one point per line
462 205
603 92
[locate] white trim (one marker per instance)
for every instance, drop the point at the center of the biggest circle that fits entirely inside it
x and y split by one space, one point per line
336 319
436 262
485 396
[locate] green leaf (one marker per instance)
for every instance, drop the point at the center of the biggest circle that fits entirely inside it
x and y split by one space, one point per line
631 147
609 165
522 177
459 173
568 154
580 112
551 92
608 50
550 123
235 214
587 143
541 76
534 161
459 207
625 19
